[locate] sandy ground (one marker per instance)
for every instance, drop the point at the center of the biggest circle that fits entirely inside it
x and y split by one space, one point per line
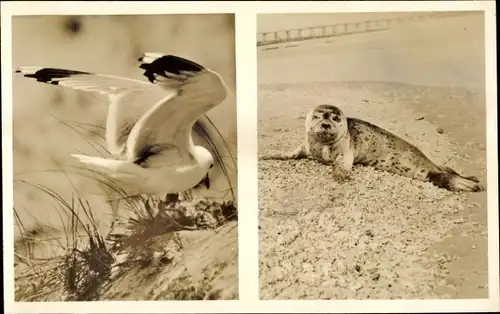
380 235
51 122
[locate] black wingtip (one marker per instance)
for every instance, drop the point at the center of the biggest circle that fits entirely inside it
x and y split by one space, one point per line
168 63
47 75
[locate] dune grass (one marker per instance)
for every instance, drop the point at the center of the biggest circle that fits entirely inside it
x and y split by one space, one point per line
85 262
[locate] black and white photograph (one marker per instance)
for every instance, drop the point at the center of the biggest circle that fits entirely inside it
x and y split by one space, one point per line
249 156
372 156
124 157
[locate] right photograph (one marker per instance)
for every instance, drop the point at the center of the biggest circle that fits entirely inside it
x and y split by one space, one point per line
372 156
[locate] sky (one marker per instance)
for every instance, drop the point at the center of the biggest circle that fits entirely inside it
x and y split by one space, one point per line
279 22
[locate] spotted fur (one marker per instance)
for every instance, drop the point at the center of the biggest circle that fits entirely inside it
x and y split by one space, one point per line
334 139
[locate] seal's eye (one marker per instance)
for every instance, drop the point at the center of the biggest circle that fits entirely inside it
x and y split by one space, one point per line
211 166
336 118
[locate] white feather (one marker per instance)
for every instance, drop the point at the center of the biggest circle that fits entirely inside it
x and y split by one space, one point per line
149 57
144 116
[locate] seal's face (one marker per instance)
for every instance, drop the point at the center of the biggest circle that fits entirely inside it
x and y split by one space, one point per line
326 123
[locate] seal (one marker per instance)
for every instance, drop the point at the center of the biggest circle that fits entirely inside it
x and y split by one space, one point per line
333 139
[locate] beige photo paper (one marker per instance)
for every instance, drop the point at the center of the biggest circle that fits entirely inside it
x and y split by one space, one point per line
112 201
402 227
257 157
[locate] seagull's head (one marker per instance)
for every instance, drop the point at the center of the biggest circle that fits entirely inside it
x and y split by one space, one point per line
204 158
206 162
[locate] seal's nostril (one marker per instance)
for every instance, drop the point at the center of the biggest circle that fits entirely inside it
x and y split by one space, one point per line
325 125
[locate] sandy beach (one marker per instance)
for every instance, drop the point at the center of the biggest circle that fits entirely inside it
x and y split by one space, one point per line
380 236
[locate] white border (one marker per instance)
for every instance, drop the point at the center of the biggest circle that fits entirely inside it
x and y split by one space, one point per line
492 155
247 156
246 89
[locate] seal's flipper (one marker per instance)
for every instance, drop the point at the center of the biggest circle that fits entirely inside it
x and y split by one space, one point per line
299 153
454 182
450 170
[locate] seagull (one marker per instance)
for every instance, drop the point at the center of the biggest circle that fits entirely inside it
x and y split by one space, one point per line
149 123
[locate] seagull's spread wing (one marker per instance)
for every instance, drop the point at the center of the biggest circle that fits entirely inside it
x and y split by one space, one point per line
160 115
85 81
128 97
167 125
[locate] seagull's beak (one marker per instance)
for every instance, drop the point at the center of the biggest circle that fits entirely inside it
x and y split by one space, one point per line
204 182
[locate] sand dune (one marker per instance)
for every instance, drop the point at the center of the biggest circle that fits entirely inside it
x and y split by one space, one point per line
50 122
406 54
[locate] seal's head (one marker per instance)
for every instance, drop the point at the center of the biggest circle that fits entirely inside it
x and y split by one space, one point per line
326 123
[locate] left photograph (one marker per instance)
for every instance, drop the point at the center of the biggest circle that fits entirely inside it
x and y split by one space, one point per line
124 157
